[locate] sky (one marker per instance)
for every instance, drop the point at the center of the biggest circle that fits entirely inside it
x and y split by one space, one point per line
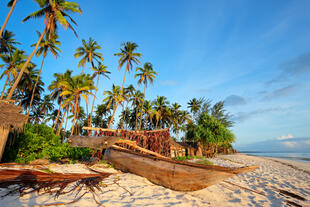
252 54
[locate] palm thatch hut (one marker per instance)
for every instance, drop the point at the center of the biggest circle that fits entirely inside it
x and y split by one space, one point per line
10 119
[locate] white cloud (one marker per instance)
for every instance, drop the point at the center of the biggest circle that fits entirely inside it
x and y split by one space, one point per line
290 144
289 136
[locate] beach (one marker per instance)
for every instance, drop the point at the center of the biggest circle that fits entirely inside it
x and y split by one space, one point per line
266 186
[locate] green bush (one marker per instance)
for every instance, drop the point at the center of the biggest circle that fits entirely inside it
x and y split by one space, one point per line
37 142
187 157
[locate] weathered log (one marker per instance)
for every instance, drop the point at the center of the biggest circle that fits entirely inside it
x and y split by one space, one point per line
119 130
98 143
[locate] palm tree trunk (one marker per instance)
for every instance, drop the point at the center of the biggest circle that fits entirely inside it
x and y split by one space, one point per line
111 120
66 120
75 112
142 108
6 82
83 69
25 66
122 125
62 121
7 17
136 117
35 85
92 107
56 121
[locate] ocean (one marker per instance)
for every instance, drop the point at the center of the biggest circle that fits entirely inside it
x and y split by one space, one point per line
303 157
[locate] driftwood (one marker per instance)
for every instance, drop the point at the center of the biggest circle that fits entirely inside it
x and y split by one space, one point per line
176 175
98 143
23 182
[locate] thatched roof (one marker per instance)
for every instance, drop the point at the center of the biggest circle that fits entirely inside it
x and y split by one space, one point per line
10 115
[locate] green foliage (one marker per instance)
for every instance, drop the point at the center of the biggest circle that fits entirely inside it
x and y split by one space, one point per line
37 142
209 131
205 162
187 157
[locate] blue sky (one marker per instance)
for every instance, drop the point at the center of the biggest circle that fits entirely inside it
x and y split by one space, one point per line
253 54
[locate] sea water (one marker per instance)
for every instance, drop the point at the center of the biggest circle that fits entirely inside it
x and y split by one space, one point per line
298 156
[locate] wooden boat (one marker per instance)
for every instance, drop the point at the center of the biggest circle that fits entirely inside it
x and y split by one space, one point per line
176 175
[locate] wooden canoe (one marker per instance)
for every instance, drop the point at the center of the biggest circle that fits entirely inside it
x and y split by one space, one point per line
175 175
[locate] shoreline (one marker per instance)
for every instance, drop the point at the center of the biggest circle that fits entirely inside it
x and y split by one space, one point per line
265 186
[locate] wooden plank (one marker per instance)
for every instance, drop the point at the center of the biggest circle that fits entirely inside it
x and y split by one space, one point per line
119 130
93 142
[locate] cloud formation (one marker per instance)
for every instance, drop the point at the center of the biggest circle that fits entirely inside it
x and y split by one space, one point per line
295 67
234 100
242 116
285 91
289 136
169 83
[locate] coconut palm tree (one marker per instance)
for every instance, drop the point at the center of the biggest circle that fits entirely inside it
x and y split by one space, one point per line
46 105
146 74
99 70
114 98
138 98
12 63
127 56
54 12
58 86
161 103
7 42
78 87
194 105
48 44
129 93
88 53
11 4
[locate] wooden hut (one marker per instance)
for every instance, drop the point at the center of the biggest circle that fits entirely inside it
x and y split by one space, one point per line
10 119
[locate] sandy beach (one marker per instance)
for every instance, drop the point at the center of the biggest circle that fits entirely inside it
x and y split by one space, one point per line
265 182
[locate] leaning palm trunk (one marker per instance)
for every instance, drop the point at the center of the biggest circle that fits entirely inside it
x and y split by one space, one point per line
35 85
122 125
6 82
25 66
56 121
114 110
75 113
142 108
60 125
7 17
92 107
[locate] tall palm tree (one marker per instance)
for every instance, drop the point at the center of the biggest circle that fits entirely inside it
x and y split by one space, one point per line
11 4
48 44
46 105
88 53
7 42
114 97
138 98
54 11
79 86
195 105
12 63
146 74
127 56
99 70
58 86
129 92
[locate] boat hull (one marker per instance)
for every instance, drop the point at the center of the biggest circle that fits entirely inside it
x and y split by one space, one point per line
175 175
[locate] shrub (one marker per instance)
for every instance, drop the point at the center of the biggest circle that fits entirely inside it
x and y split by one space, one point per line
37 142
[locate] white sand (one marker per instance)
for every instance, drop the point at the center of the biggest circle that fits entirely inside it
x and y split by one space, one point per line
272 174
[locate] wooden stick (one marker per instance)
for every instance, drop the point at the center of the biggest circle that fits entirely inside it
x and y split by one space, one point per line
254 191
119 130
135 146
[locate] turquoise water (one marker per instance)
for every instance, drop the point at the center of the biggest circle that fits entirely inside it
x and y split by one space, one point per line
304 157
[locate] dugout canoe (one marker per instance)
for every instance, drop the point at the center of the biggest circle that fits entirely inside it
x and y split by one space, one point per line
175 175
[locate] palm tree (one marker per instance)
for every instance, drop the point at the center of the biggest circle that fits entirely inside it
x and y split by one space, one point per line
11 4
114 97
138 98
54 12
88 53
129 93
161 108
79 86
47 44
146 74
46 105
58 86
12 62
99 70
127 56
7 42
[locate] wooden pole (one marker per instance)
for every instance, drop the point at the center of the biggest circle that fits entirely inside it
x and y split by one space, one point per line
119 130
4 132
